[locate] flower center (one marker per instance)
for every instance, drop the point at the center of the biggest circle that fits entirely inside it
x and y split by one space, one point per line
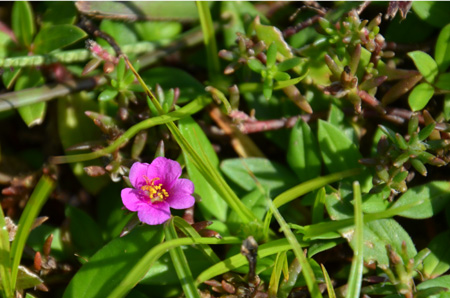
156 193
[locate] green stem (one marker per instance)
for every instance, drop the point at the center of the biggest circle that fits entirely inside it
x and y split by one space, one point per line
188 109
209 38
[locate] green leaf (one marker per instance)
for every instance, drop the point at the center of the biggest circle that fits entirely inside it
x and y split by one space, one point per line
272 175
56 37
211 205
74 127
113 262
438 261
59 13
443 81
420 96
434 13
5 259
158 10
338 152
271 55
303 153
255 65
27 279
157 31
10 77
31 114
108 94
84 231
441 281
180 263
39 196
189 86
379 233
447 107
425 64
356 271
432 197
270 34
120 31
23 22
256 202
289 63
442 49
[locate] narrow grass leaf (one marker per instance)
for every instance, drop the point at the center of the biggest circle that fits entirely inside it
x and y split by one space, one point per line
180 263
39 196
136 273
304 188
211 205
307 271
356 271
238 260
287 285
5 261
189 231
330 289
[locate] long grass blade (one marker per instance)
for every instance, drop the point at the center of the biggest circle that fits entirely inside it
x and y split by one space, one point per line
180 263
5 260
209 39
304 188
139 271
307 271
189 231
39 196
330 289
356 271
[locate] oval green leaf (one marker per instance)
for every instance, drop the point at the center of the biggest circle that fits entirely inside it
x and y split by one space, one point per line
434 13
438 261
303 152
442 50
443 81
112 263
211 205
420 96
107 94
270 174
31 114
338 152
56 37
425 65
430 197
23 22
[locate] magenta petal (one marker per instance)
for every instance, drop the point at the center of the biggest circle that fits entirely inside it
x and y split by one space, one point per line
166 170
137 172
133 199
180 195
154 214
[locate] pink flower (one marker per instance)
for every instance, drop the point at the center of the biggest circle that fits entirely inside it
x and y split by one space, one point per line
157 188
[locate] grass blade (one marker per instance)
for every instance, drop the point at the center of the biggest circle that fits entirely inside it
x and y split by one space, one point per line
296 247
189 231
330 289
209 39
5 261
356 271
239 260
180 263
139 271
304 188
38 198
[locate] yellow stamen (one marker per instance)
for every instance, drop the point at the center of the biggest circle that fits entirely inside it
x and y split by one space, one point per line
156 193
